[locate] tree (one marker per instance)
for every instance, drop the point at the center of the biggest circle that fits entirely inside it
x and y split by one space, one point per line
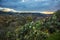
55 36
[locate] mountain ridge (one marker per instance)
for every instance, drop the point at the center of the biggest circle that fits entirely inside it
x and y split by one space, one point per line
12 10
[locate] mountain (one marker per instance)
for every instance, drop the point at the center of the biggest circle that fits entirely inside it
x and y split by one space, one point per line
25 14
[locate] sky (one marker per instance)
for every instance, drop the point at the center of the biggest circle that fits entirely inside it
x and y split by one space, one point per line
31 5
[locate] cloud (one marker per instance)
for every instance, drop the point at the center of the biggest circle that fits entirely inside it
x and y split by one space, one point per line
31 4
39 0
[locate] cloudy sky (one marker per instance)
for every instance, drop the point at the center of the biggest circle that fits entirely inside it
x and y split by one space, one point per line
31 5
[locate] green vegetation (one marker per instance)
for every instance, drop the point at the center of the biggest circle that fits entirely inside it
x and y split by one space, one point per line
14 28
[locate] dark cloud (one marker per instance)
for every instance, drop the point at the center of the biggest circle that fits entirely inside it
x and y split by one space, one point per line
36 5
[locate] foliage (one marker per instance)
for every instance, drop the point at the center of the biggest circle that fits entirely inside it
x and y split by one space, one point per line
27 29
55 36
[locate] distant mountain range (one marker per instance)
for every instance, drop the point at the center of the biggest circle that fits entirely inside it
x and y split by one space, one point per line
12 10
20 18
35 15
25 14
